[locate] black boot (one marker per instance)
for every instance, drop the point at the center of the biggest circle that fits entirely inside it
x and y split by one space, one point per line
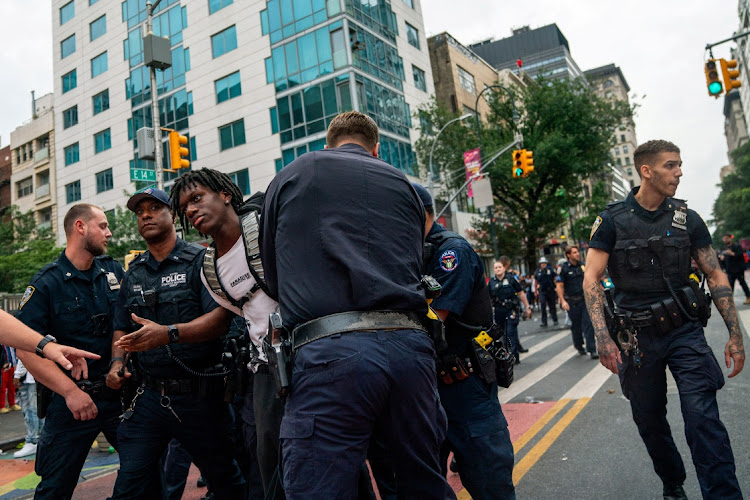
521 349
674 493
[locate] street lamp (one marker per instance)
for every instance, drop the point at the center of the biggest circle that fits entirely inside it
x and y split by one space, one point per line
432 150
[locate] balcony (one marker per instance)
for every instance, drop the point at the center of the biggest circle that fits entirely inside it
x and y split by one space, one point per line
41 155
42 191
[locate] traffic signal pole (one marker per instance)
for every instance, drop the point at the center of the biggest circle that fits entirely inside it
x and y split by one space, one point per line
709 46
158 152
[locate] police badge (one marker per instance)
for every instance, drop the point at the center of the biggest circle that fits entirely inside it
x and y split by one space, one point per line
680 220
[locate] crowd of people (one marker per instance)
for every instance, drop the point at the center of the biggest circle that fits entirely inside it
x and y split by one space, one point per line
305 342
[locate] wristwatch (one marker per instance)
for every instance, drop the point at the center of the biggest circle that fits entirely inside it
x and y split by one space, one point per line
174 334
40 346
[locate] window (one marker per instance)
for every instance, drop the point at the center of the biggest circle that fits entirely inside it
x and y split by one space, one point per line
627 160
92 2
67 46
101 102
608 84
630 172
617 150
410 3
69 81
67 12
99 65
624 149
419 80
412 35
42 184
283 18
466 80
45 218
224 41
102 141
214 5
104 181
242 179
71 154
232 135
622 137
228 87
70 117
98 27
24 187
73 192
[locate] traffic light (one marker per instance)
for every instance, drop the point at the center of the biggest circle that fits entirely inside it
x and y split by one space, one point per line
523 162
178 153
713 83
729 74
517 163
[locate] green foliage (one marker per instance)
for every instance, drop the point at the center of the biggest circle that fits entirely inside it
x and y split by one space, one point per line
24 250
591 208
570 131
732 205
125 235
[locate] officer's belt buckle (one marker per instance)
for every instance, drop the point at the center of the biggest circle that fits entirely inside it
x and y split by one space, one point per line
355 321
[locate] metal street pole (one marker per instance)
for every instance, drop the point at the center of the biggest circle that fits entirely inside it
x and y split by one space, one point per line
430 186
158 155
493 237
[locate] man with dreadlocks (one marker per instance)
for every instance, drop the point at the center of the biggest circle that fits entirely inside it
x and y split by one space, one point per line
209 201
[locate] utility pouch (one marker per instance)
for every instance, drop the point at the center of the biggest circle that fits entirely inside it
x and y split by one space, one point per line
102 325
660 317
436 331
450 368
674 312
703 301
503 362
278 351
43 399
484 362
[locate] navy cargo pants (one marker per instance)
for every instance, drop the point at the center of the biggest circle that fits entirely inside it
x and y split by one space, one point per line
582 327
698 377
349 387
65 442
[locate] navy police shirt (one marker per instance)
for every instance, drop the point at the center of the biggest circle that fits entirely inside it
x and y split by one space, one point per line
75 306
342 231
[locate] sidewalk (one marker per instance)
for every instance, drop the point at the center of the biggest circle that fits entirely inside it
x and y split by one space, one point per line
12 430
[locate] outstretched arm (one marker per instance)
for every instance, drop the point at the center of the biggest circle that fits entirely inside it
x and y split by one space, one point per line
718 285
593 292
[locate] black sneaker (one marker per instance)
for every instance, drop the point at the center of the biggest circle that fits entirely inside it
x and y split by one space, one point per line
518 359
581 351
594 355
674 493
521 349
543 325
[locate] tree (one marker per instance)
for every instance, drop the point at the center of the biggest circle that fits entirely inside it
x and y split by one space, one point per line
570 131
125 235
24 250
589 211
732 205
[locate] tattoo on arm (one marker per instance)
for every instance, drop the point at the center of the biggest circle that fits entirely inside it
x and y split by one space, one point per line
706 259
721 294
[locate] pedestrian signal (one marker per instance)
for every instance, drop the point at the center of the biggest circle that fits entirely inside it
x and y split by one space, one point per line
729 74
713 82
518 163
178 154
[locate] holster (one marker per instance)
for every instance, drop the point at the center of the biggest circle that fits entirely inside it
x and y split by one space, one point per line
504 361
451 369
131 384
43 399
484 362
277 348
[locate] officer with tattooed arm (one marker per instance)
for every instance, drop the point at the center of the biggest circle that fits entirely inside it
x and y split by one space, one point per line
647 242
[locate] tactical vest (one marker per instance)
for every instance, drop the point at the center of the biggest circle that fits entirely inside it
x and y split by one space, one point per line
478 312
504 297
573 280
638 262
175 301
250 223
545 278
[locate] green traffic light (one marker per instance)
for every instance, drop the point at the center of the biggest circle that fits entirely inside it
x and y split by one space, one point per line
714 88
517 172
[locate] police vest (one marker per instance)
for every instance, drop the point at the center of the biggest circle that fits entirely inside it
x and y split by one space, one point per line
250 224
477 314
168 297
504 296
647 251
545 278
572 279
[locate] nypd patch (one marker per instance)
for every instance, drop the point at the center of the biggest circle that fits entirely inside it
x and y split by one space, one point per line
597 223
449 261
26 296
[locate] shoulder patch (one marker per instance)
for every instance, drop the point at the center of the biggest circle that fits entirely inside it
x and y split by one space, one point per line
597 223
26 296
449 260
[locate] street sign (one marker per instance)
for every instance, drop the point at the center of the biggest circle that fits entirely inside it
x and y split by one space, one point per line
142 174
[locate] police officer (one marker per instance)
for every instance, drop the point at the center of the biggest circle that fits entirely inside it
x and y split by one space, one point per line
647 241
570 293
175 327
545 290
72 299
485 459
506 291
350 294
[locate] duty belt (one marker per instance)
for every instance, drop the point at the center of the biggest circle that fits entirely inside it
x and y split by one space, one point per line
575 299
93 388
166 386
355 321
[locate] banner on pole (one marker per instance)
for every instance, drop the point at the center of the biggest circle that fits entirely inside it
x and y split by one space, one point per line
472 165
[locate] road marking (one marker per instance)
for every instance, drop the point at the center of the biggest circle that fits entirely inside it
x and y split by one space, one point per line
463 495
745 318
539 425
528 380
589 384
528 461
546 343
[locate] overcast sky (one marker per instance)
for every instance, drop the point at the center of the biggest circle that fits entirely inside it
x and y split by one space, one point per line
658 45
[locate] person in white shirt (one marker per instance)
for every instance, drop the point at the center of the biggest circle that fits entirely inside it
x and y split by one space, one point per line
26 394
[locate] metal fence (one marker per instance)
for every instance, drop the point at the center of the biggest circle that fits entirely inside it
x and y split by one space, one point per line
9 302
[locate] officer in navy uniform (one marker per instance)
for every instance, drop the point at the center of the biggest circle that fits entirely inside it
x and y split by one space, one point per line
478 433
648 241
506 291
570 293
363 364
545 288
176 328
72 299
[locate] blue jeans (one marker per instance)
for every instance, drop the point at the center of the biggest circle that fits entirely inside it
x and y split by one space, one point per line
478 436
349 387
698 376
26 396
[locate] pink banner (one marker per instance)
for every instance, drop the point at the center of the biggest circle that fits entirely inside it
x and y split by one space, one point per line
472 165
